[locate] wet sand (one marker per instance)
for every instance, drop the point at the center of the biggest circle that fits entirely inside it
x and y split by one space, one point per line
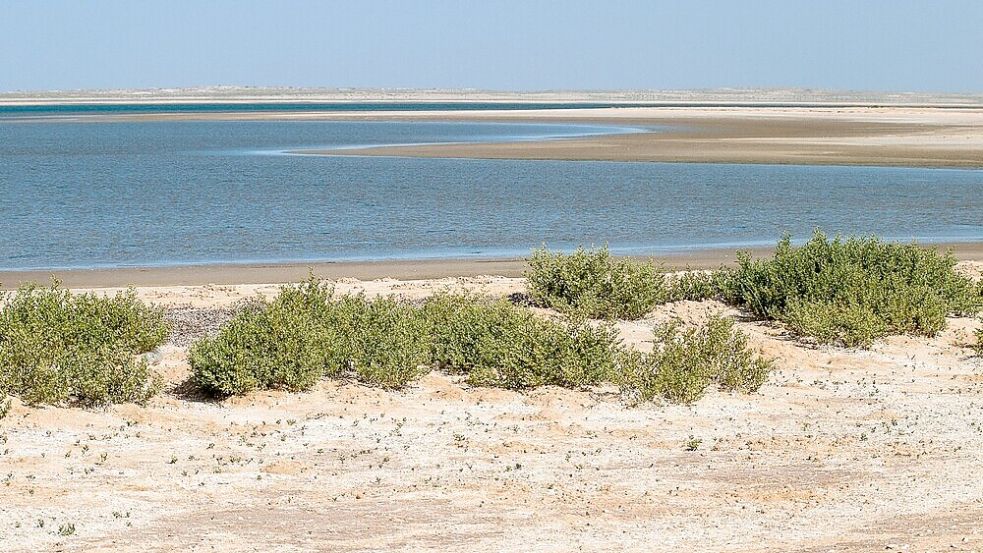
274 273
893 136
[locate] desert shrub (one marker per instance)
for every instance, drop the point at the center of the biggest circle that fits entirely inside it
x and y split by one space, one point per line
56 347
303 334
496 343
852 291
696 285
281 344
685 362
593 284
386 340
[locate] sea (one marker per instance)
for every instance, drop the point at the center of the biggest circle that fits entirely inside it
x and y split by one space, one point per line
88 186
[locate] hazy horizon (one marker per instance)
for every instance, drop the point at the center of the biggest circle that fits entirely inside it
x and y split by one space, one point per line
881 45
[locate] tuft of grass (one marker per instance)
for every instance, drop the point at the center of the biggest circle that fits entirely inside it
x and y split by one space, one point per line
61 348
686 362
853 291
496 343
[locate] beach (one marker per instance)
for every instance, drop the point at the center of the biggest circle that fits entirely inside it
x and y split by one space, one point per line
841 449
277 273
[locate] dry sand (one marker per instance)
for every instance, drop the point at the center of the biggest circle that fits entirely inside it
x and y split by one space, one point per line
842 450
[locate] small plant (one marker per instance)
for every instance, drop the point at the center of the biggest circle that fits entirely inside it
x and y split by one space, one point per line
685 363
66 529
4 408
979 342
853 291
57 347
692 444
591 283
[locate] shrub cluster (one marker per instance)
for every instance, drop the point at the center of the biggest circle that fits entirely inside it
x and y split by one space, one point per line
591 283
305 333
685 363
697 285
56 347
496 343
855 290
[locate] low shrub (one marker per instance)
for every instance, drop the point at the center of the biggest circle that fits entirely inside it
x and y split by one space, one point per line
591 283
281 344
697 285
852 291
57 347
685 363
387 341
303 334
496 343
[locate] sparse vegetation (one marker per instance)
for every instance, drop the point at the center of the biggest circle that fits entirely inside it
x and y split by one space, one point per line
591 283
686 362
304 334
852 291
57 347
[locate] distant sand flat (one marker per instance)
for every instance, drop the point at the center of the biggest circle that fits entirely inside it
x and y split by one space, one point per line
886 136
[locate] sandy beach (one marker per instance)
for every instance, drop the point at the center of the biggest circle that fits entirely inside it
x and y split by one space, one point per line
841 450
233 274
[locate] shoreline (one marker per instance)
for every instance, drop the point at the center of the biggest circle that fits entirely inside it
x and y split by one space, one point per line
941 136
229 274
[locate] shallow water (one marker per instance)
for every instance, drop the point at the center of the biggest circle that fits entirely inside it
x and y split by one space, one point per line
161 193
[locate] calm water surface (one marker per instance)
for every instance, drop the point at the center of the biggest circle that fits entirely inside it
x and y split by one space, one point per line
161 193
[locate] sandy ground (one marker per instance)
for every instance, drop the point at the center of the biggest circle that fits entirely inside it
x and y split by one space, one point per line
841 450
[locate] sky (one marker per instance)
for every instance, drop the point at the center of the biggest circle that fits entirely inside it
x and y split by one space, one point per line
875 45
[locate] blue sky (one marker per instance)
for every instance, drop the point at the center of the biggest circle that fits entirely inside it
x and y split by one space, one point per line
898 45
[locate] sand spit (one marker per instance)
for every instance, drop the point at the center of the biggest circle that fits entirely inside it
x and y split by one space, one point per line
842 450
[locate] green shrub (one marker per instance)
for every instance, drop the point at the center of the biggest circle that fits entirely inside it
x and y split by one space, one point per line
853 291
303 334
282 344
387 340
593 284
684 363
56 347
697 285
496 343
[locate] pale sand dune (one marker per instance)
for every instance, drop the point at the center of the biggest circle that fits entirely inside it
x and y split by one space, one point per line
841 450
